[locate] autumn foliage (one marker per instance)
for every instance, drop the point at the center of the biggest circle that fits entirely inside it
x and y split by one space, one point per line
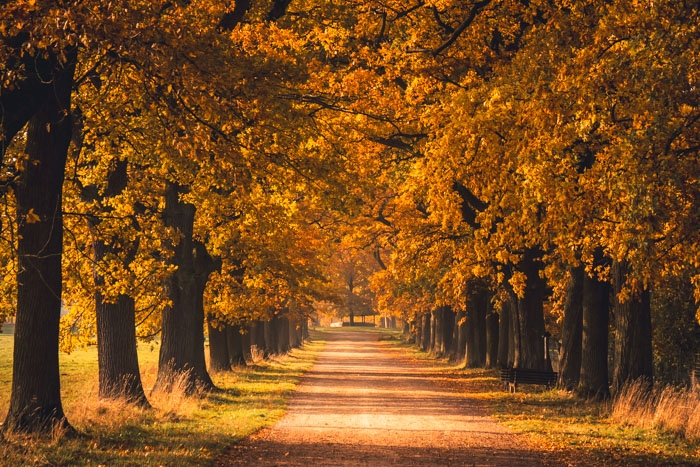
226 159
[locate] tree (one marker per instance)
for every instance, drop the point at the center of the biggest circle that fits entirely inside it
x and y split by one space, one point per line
118 365
35 402
571 331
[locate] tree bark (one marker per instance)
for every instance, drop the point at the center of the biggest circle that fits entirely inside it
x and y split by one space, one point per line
477 307
505 337
593 380
257 338
182 345
425 332
236 345
296 332
283 336
571 332
305 328
459 340
35 400
531 314
434 324
219 359
448 326
515 343
491 340
633 346
246 342
270 333
117 355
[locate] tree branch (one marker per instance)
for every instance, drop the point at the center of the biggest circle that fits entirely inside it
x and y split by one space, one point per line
478 6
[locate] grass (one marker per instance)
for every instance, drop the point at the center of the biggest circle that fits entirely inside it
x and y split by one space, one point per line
559 421
671 409
180 430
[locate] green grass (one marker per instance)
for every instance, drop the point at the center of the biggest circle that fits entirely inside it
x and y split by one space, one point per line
178 431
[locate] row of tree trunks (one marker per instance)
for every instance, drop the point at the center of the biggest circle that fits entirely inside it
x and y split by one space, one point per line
584 358
232 345
482 337
442 322
516 337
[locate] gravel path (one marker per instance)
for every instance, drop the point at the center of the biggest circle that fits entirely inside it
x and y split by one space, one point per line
364 403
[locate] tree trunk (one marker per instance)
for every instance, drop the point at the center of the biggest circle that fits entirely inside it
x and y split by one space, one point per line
304 328
593 380
477 307
425 332
416 330
283 337
296 333
448 326
633 347
270 333
219 359
406 327
531 314
117 355
571 332
257 338
491 340
459 339
246 343
505 337
434 324
515 343
235 342
35 400
182 345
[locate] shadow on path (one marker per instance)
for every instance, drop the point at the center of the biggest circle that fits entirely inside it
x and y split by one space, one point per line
362 405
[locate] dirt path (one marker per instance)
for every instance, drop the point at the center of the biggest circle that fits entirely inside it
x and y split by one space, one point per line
364 404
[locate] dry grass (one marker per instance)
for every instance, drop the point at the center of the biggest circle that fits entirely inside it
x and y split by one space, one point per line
673 409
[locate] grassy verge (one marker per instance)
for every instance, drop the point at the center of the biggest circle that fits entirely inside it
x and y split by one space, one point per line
178 431
558 421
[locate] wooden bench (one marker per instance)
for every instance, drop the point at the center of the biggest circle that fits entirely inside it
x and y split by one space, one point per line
511 377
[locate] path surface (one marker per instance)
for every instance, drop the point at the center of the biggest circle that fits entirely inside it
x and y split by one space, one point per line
364 403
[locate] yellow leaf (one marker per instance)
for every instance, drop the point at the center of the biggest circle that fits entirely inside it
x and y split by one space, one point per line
32 217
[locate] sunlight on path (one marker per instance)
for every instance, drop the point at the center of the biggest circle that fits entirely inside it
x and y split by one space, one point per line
362 405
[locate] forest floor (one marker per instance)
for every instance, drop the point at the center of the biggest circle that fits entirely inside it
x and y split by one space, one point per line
368 402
